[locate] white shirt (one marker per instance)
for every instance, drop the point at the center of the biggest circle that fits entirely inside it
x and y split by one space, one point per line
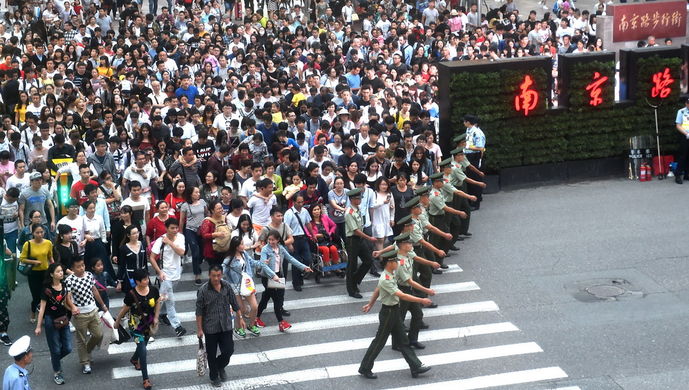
77 225
95 227
260 213
248 188
149 173
20 184
171 261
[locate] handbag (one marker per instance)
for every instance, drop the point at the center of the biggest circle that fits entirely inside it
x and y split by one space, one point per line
25 268
201 359
278 285
246 282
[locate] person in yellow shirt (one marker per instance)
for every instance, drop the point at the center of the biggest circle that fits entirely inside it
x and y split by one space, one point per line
21 107
104 68
39 252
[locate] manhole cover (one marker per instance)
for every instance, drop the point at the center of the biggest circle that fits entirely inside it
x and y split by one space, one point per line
603 291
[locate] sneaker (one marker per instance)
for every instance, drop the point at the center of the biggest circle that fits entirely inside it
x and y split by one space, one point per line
198 282
216 382
86 369
240 332
163 318
6 340
259 323
147 384
284 325
180 331
255 330
58 379
151 339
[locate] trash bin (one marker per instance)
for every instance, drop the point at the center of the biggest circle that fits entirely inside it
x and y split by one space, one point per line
640 151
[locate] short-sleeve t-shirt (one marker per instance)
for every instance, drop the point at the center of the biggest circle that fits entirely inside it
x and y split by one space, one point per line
260 209
82 291
437 203
171 261
142 308
404 272
34 201
54 301
139 208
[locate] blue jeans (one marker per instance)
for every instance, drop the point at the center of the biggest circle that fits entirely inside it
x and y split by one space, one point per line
302 252
192 239
11 240
167 288
153 6
140 355
59 342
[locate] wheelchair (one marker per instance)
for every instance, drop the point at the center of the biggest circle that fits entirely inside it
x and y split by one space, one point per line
317 264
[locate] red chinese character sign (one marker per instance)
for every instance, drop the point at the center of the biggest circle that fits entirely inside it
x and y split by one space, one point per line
634 22
527 97
662 84
595 89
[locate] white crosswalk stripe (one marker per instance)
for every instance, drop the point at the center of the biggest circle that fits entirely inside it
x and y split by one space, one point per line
465 330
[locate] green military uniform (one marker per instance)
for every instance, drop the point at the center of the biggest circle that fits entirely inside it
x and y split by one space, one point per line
405 272
356 247
436 216
390 322
422 273
457 179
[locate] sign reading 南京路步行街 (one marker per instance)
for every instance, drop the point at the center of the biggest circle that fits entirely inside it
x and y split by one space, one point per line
634 22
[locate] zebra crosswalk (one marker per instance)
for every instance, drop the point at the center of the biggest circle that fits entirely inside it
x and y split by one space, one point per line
468 338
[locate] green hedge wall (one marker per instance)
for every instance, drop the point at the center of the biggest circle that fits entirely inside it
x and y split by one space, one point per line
566 134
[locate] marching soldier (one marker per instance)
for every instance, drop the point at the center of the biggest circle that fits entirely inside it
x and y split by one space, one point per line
390 320
469 168
437 211
406 255
355 244
422 272
420 264
452 197
459 179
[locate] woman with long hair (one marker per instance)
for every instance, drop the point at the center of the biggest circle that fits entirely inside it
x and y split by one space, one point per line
176 198
273 254
210 189
132 257
39 252
401 193
238 267
192 214
55 308
156 225
382 212
322 229
65 250
143 304
208 233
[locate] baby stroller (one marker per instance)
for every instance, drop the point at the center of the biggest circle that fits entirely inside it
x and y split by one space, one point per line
318 266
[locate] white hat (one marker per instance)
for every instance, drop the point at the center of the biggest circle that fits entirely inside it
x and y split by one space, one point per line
343 111
20 347
454 12
35 176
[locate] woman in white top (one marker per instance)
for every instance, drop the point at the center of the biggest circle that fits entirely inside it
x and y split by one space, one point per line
73 167
382 212
335 148
94 234
236 211
249 237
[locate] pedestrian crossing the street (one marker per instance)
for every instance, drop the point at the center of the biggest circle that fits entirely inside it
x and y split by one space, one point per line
469 344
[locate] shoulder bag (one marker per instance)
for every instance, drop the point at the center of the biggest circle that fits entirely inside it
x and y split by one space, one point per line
61 321
25 268
246 282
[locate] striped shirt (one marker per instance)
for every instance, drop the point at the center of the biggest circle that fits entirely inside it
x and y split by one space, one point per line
214 307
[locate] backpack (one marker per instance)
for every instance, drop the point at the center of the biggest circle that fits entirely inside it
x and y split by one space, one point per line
221 244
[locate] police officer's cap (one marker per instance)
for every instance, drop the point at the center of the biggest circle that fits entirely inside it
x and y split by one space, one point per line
459 138
436 176
413 202
445 163
405 221
20 347
457 151
421 191
355 193
404 237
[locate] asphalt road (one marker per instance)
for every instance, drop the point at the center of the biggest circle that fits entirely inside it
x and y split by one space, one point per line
516 309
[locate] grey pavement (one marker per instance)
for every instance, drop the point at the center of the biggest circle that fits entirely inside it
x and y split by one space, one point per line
527 269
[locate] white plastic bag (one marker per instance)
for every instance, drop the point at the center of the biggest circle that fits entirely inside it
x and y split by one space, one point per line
107 324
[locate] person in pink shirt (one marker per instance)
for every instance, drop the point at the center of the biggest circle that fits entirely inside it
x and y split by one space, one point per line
6 167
